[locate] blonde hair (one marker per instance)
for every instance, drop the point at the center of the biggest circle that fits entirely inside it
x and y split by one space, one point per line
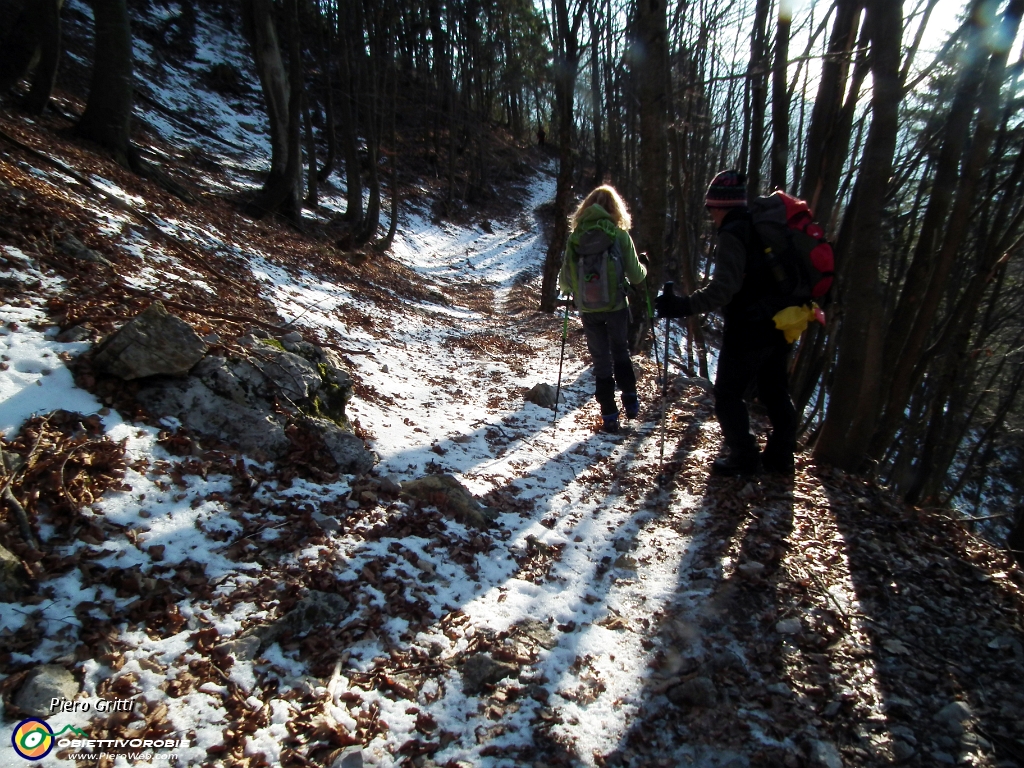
608 198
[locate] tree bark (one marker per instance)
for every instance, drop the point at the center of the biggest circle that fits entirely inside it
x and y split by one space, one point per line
829 100
282 189
566 65
757 80
850 418
780 101
651 73
49 54
108 113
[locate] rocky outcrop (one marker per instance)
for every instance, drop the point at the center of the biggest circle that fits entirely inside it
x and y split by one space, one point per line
150 344
245 400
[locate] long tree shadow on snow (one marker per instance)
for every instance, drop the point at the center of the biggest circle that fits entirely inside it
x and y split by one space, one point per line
941 634
704 669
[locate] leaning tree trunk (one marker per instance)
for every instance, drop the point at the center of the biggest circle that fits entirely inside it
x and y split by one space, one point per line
850 419
108 114
828 103
282 189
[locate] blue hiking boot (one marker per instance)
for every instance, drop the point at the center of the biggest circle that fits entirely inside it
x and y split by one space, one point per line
611 423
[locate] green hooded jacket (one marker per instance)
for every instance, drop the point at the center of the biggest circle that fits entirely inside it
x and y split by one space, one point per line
596 217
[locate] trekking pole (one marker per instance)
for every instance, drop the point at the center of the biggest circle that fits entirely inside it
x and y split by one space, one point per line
561 357
654 332
669 290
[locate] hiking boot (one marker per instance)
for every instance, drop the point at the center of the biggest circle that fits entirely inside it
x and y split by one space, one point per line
736 465
611 423
631 403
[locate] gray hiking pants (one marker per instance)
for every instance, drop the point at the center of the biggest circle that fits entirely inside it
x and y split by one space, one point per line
607 339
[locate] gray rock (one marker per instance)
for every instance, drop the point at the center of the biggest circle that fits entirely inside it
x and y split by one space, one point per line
957 711
350 757
698 692
727 660
481 670
902 732
73 334
452 498
291 338
152 343
789 627
943 757
539 632
76 249
544 396
751 569
681 382
292 375
14 579
314 609
255 431
43 684
243 648
902 751
238 380
825 754
345 448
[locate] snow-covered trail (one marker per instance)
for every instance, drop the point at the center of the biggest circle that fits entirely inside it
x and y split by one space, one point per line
600 550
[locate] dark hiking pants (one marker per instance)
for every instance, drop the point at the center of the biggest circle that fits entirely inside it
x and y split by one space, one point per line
607 339
755 352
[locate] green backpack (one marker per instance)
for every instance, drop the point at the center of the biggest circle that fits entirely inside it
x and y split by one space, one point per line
600 275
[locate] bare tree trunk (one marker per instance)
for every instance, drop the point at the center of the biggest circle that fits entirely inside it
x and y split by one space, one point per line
850 419
327 64
929 272
108 113
757 80
780 101
829 100
349 123
33 40
567 61
282 189
312 195
595 86
49 55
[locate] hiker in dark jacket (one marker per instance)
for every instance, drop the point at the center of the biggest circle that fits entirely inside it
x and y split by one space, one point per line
601 222
753 349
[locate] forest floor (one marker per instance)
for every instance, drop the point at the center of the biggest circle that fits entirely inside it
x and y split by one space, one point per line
605 619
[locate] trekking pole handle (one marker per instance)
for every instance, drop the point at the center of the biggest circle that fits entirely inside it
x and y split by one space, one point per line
669 289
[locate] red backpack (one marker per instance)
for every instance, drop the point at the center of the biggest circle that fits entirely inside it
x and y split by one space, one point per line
800 258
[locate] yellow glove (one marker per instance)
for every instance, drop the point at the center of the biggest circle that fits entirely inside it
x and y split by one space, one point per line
792 321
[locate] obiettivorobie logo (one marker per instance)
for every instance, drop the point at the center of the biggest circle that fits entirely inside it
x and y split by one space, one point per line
33 739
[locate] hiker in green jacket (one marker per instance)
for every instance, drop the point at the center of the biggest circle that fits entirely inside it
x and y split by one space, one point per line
599 258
